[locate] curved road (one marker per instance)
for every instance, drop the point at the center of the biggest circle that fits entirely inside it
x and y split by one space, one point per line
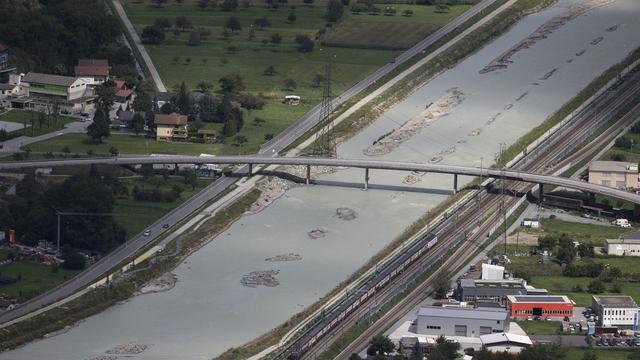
354 163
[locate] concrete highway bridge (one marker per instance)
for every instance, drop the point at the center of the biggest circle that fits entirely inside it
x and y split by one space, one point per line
352 163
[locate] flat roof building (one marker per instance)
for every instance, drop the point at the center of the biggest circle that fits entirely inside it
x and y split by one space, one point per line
539 305
501 342
492 291
460 321
622 247
615 311
615 174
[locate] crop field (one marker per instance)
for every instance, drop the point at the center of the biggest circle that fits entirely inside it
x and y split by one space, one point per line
237 52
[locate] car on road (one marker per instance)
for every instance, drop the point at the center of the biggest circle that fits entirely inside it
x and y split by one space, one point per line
165 226
147 232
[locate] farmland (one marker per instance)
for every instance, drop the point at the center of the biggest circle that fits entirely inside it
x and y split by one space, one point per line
249 51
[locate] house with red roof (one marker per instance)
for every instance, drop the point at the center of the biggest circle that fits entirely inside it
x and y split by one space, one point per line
93 71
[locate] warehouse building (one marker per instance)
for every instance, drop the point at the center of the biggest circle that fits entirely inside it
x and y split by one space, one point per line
615 311
466 322
627 245
539 305
490 291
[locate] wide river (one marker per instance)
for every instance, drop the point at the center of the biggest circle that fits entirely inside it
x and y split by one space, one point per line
209 310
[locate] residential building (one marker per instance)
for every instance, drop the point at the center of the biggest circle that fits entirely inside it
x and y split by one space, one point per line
615 311
490 291
4 55
161 98
626 245
539 305
93 71
67 93
461 321
171 127
615 174
123 93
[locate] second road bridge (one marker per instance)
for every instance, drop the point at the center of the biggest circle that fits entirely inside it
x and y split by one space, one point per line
353 163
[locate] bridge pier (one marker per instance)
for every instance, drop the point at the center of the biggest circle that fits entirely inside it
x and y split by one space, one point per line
540 193
308 174
366 178
455 184
250 170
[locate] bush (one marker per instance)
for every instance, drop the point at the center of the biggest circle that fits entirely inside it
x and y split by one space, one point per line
624 142
305 44
251 102
74 261
596 287
152 35
583 269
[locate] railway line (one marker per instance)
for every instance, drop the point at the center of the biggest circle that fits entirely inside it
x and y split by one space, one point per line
546 158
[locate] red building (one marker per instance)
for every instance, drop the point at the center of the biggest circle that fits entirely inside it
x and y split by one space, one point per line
539 305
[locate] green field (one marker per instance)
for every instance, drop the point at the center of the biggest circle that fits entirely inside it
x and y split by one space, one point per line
21 116
176 61
134 215
127 144
34 278
601 354
541 327
586 233
631 154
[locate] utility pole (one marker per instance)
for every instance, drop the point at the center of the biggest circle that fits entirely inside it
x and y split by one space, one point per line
502 185
325 144
59 214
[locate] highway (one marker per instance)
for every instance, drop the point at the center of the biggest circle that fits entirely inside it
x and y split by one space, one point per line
354 163
270 149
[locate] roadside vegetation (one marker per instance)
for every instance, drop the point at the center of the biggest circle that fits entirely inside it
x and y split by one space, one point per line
33 123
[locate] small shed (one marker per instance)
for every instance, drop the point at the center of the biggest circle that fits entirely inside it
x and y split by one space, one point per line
531 223
207 134
292 99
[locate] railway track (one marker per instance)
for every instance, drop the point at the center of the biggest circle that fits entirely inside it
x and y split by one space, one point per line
546 158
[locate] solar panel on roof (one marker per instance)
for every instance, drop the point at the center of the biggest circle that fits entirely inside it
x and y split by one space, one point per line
548 299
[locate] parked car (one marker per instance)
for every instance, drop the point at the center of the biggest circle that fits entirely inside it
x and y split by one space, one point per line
147 232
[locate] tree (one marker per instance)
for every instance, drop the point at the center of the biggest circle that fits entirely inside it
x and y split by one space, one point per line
380 345
240 139
233 122
441 286
182 23
262 22
99 128
3 135
318 79
183 100
596 287
291 17
289 84
268 137
203 4
258 121
113 151
542 352
308 2
624 142
74 261
137 123
305 44
194 39
233 24
548 242
152 35
250 102
276 38
407 13
444 350
334 10
207 108
355 356
585 250
205 86
106 97
162 23
228 5
269 71
566 250
231 85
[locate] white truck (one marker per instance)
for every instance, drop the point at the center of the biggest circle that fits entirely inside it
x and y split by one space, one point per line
622 223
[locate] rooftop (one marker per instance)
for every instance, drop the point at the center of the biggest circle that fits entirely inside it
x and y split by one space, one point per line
84 70
170 119
631 235
538 299
34 77
7 86
493 284
498 338
614 166
464 313
93 62
623 241
615 301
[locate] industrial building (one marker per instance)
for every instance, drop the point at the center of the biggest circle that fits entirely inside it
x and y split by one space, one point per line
615 174
489 291
615 311
627 245
460 321
539 305
505 342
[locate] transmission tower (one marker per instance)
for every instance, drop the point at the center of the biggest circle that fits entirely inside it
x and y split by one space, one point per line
325 144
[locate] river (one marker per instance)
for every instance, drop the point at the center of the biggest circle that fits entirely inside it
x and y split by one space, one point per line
209 310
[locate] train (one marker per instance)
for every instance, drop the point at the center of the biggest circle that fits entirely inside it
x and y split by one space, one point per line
360 296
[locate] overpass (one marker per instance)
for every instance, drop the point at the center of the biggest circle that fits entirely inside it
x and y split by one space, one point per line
251 161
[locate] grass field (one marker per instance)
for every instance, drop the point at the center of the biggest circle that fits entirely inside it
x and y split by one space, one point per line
541 327
586 233
631 154
50 124
134 215
211 60
601 354
34 278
